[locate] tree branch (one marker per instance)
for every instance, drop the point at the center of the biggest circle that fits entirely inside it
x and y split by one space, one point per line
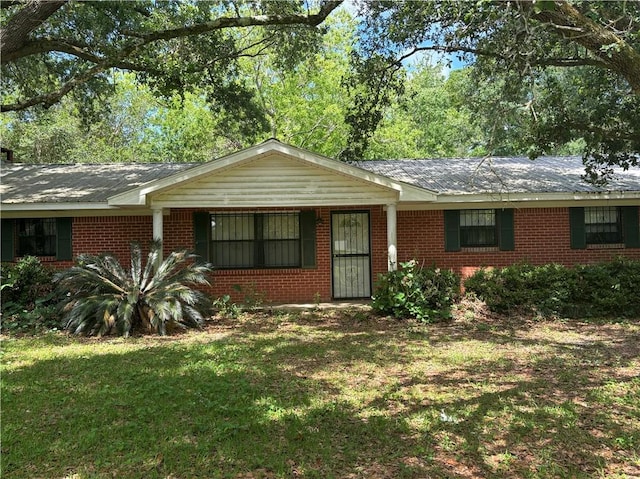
37 46
611 49
558 62
17 30
118 60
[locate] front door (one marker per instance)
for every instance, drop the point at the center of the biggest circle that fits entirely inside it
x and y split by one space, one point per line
351 254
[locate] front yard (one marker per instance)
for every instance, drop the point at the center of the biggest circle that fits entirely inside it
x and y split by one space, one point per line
327 394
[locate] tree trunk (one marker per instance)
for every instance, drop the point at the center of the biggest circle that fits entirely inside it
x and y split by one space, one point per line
622 58
16 33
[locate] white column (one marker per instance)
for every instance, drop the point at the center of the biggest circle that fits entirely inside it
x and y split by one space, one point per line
157 229
392 237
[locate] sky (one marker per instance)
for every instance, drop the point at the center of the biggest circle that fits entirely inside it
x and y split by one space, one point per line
446 61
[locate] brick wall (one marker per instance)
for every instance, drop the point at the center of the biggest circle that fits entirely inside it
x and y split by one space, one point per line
112 234
302 285
541 236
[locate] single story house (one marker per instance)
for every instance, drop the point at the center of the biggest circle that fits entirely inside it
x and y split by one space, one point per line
296 226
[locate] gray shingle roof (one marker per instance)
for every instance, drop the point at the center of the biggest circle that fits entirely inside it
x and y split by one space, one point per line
459 176
86 183
78 183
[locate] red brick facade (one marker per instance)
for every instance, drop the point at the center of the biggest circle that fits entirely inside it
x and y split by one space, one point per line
541 236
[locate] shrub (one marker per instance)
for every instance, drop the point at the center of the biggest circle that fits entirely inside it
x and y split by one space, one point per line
226 308
606 289
102 296
28 296
541 290
412 291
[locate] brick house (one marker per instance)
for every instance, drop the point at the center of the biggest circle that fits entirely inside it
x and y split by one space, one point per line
298 227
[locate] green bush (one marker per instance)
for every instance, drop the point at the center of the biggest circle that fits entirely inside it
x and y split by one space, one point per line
425 294
28 296
598 290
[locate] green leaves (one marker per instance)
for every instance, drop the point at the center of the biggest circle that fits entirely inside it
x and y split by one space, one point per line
103 296
175 46
551 290
425 294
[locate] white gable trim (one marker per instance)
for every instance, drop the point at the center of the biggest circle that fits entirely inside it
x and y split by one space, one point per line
140 196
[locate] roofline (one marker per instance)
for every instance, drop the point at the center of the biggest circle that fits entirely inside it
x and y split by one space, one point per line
526 200
54 210
535 197
56 206
138 196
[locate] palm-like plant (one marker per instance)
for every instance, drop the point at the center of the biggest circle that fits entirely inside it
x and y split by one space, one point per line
102 295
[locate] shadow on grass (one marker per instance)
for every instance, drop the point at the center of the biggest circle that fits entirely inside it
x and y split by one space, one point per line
361 400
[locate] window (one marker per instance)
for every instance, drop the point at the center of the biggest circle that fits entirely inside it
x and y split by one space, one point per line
603 225
255 240
478 228
36 237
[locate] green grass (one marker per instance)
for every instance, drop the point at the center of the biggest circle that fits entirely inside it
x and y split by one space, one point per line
338 395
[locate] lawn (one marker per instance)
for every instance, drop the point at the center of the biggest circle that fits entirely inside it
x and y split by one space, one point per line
327 394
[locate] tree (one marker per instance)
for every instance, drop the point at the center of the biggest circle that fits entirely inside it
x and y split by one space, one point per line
104 296
529 59
305 106
51 48
139 127
432 119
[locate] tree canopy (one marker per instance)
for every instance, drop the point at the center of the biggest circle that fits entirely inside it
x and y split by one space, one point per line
541 77
51 48
551 71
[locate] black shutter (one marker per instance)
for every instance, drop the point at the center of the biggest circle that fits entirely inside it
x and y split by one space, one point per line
507 233
64 244
308 238
201 227
452 230
631 226
8 248
577 228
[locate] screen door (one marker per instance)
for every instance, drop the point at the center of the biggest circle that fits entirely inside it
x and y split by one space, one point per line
351 255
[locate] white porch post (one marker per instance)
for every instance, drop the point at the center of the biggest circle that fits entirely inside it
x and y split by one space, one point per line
392 237
157 229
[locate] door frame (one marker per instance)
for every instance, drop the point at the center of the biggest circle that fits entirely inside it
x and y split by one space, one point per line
369 280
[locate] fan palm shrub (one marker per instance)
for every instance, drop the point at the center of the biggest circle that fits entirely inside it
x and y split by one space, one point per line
103 297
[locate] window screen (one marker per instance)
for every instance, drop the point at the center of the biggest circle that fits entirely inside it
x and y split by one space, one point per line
255 240
478 228
36 236
603 225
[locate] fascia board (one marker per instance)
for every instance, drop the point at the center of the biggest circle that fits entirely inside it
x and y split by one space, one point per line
537 197
54 212
54 206
541 200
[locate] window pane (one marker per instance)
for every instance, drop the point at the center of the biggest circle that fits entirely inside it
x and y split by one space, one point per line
478 228
232 227
36 237
281 226
603 225
233 254
477 218
255 240
282 254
